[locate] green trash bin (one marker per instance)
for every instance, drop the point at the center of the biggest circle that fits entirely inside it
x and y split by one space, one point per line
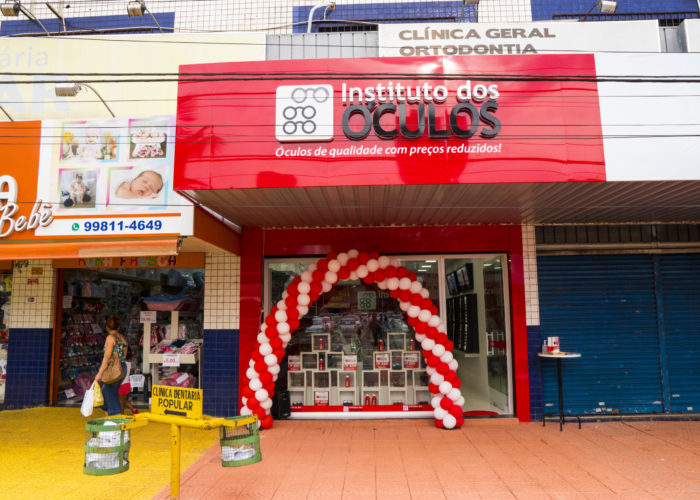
106 447
239 445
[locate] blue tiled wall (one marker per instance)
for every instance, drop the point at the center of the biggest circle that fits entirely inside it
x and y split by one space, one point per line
165 19
543 10
220 372
534 345
27 382
404 12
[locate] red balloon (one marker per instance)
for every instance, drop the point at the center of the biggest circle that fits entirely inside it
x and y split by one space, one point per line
260 412
331 256
369 279
322 265
276 343
270 388
293 324
449 345
353 264
270 320
433 309
457 383
318 275
256 356
432 332
404 295
442 368
271 332
363 257
292 313
395 293
439 424
451 376
379 275
412 321
316 287
442 339
266 378
279 353
421 327
401 272
291 302
434 389
416 298
292 290
412 276
433 360
455 411
426 353
247 392
460 422
266 422
446 403
373 255
343 273
253 403
260 366
390 271
426 303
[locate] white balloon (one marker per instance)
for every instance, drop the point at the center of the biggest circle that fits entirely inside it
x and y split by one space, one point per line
415 287
454 394
267 404
306 277
302 310
430 370
251 362
384 261
435 402
353 253
262 338
285 337
285 294
436 378
372 265
268 412
282 305
303 299
362 271
245 411
439 350
261 395
441 328
270 360
244 400
405 283
413 311
326 286
434 320
255 384
342 258
353 276
280 316
424 316
453 365
425 293
312 267
274 369
382 285
445 387
460 402
303 288
274 377
449 421
283 327
392 283
447 357
265 349
251 373
440 413
334 266
428 344
331 277
404 305
395 262
420 337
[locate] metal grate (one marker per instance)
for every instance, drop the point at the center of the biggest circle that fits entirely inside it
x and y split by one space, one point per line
665 19
617 234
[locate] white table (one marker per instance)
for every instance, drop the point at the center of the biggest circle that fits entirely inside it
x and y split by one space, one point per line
559 357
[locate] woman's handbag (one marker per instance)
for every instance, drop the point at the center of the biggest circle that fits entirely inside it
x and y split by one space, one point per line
114 371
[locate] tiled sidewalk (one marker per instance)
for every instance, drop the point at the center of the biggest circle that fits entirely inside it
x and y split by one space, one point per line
490 459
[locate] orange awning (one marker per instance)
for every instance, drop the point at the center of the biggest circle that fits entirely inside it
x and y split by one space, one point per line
78 249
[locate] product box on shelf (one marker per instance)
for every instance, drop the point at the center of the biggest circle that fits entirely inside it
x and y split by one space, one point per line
397 360
320 342
382 360
309 360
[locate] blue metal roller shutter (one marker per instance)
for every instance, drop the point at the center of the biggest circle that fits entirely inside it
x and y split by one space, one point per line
681 328
604 307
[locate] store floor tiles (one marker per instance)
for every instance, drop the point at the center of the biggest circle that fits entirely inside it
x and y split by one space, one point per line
41 456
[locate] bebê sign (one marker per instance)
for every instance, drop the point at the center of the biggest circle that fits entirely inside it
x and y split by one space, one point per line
180 401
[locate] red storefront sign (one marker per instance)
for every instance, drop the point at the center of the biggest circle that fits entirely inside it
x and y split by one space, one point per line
428 120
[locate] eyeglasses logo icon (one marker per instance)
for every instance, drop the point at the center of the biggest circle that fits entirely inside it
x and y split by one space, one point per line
304 113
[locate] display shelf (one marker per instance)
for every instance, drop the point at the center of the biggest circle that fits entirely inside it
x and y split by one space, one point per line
347 388
397 387
296 385
320 342
396 360
421 394
396 341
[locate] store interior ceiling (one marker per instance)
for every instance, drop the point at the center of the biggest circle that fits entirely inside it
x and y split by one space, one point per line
457 204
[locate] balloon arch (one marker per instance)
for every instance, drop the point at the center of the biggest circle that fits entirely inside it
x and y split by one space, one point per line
276 331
